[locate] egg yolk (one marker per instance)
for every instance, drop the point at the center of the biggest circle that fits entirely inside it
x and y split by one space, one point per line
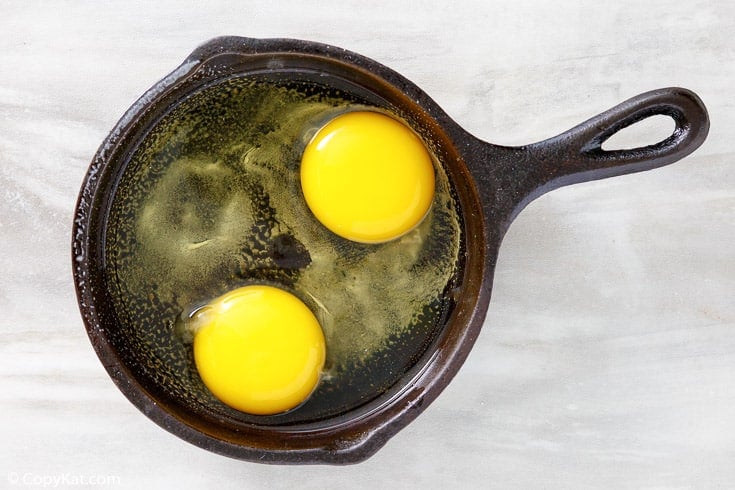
367 177
259 349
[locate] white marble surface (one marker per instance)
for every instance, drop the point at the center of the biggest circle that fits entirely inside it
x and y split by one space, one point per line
608 356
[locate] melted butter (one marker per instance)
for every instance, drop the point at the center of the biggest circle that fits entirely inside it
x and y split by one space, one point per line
211 201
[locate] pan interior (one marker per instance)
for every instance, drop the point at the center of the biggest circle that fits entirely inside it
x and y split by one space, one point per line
209 200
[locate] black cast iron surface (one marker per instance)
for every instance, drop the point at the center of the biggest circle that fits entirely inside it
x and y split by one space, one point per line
492 183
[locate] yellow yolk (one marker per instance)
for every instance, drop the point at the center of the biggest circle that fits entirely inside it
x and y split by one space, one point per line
259 349
367 177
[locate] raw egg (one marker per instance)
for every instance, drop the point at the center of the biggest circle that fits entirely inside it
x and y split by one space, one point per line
258 349
367 177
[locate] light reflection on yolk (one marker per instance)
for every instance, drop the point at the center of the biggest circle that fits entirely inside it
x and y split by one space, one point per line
367 177
258 349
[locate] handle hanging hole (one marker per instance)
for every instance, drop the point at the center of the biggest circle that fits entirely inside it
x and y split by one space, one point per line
645 132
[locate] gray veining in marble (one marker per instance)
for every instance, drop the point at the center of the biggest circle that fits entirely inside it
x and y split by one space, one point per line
608 356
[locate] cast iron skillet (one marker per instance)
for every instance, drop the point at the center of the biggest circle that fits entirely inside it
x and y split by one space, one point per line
492 184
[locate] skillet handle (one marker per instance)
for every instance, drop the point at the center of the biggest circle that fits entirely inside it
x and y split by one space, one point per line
524 173
586 160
